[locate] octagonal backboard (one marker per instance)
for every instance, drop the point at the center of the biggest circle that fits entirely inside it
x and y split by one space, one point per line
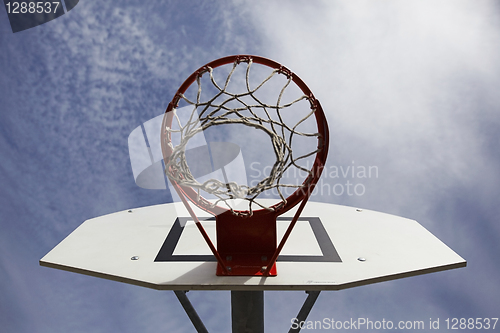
332 247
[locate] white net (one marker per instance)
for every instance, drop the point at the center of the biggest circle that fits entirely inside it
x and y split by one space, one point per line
247 107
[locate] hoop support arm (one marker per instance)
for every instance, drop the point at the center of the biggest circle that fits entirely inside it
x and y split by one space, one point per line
201 229
287 234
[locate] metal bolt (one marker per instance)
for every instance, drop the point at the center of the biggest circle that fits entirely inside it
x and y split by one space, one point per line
135 258
361 259
228 269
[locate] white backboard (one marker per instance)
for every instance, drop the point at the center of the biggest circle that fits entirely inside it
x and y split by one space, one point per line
332 247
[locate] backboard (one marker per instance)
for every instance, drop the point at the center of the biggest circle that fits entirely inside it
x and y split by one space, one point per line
332 247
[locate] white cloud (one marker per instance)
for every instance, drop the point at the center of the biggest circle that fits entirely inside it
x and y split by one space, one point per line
399 81
408 87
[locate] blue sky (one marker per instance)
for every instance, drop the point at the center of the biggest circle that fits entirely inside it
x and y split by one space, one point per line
409 87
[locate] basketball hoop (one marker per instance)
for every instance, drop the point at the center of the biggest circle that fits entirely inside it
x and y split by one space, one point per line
246 238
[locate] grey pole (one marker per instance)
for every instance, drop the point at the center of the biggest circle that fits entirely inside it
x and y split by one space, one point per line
247 311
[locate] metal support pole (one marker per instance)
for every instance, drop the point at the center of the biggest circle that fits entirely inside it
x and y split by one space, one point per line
190 311
247 311
306 308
